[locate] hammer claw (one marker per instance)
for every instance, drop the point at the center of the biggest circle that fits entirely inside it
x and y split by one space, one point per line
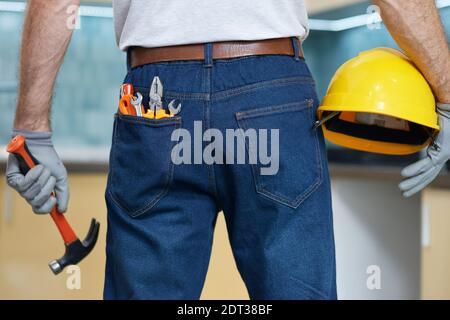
92 235
77 250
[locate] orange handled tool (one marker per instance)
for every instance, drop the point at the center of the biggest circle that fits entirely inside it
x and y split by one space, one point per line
75 249
126 88
126 106
126 100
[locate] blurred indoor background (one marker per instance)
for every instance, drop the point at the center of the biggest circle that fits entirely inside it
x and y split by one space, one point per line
376 229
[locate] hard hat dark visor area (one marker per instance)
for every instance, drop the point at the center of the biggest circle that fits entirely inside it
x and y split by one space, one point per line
416 135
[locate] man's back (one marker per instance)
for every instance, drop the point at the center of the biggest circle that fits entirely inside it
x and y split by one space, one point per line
157 23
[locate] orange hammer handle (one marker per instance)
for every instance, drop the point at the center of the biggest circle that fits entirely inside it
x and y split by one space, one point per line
19 148
63 226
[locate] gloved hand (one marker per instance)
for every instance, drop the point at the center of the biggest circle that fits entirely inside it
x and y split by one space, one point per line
423 172
38 184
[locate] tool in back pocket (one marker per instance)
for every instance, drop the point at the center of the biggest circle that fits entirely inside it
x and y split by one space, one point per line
131 104
126 97
156 109
136 101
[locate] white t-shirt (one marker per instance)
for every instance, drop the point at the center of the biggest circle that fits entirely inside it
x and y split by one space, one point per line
156 23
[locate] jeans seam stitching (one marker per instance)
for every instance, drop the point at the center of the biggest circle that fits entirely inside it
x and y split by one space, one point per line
158 196
259 85
187 96
207 87
308 191
254 113
305 194
318 181
234 91
151 122
310 287
211 167
179 95
113 155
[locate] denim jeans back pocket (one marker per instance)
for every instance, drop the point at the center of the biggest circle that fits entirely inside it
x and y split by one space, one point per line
141 169
299 170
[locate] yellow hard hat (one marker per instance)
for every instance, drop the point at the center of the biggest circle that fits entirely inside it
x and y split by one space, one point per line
379 102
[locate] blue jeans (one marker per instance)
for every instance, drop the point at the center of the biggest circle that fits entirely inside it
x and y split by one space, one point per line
161 215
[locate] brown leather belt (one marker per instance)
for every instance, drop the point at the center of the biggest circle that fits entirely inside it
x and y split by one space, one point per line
221 50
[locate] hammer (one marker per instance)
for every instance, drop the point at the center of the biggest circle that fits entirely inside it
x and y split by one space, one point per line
76 250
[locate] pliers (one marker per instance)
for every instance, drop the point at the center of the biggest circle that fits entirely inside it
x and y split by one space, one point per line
156 110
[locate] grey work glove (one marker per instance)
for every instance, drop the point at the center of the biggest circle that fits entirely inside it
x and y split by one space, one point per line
420 174
39 183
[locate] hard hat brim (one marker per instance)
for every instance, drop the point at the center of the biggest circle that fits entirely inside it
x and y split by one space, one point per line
360 144
379 107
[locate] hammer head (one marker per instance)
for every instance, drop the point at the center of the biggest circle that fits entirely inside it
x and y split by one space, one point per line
77 250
